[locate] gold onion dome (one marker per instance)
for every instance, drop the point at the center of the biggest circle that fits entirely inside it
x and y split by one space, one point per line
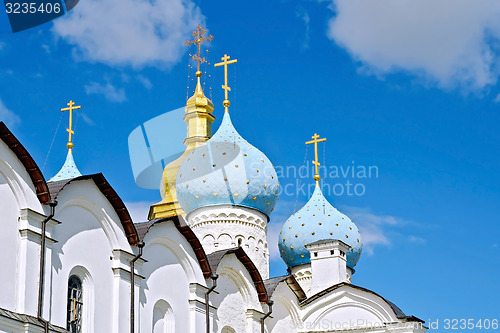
199 119
199 99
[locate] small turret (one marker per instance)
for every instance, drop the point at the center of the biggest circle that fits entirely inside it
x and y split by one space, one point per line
69 169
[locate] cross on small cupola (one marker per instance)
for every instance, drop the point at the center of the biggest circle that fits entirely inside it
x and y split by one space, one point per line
316 140
69 169
226 87
71 107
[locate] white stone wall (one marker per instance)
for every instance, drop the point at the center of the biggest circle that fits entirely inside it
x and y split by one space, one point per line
225 226
16 192
88 237
286 312
236 300
303 275
343 309
9 238
328 264
172 290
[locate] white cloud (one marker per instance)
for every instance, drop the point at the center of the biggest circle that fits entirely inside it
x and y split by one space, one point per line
302 14
130 32
138 210
417 239
374 229
7 116
449 42
273 232
46 48
110 92
497 99
86 119
145 82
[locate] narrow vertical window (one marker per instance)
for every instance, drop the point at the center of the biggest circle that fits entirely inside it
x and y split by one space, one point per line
75 304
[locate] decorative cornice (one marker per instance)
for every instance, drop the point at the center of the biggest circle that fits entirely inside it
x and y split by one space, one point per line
30 225
249 218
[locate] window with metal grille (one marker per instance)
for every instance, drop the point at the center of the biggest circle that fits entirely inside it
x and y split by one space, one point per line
75 304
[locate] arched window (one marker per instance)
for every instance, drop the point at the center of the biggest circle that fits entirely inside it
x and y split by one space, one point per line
75 305
163 318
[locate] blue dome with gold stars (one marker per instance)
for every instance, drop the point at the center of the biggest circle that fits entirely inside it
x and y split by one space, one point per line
227 170
317 220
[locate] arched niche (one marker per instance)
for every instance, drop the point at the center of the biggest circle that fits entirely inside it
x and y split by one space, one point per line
163 317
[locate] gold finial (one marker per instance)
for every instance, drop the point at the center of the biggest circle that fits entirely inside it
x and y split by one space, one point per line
70 108
226 87
198 40
316 163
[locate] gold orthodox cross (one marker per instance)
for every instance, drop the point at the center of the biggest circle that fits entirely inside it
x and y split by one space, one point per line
226 87
71 107
198 40
316 163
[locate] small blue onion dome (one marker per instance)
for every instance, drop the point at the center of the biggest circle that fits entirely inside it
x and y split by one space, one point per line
68 170
317 220
227 170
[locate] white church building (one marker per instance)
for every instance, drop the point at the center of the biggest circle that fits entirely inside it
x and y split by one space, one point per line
74 261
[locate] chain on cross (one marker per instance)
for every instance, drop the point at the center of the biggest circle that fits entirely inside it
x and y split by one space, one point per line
198 40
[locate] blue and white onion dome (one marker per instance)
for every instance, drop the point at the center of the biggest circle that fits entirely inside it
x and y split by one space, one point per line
317 220
227 170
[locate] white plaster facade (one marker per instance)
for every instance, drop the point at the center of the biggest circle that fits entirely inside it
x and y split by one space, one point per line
90 237
223 226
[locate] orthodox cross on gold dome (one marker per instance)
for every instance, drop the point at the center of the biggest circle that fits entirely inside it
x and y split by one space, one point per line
226 87
198 40
71 107
316 163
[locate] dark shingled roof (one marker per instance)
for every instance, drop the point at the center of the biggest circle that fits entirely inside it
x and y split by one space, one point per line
143 228
56 187
397 311
28 162
272 284
27 319
215 258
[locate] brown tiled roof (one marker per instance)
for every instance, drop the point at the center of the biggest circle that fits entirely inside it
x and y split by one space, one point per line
272 284
56 187
185 230
215 258
28 162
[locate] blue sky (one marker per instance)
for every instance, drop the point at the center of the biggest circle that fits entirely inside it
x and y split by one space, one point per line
408 87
